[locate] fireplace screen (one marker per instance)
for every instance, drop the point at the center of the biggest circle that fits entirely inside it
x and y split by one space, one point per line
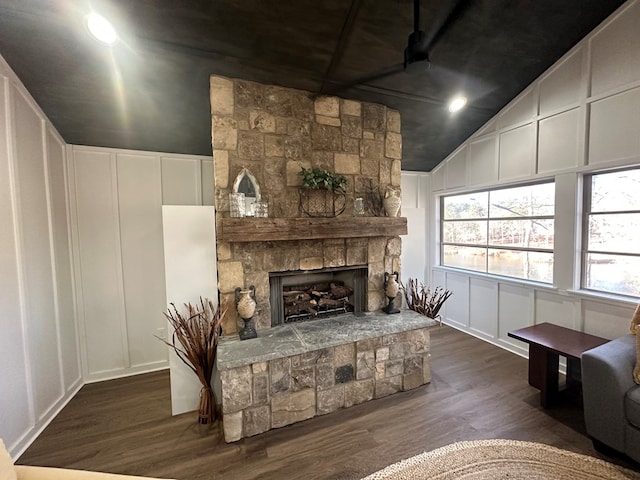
297 296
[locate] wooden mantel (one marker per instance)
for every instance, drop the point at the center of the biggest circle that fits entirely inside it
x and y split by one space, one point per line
250 229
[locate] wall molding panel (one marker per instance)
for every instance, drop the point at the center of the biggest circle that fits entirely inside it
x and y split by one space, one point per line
581 115
116 200
38 347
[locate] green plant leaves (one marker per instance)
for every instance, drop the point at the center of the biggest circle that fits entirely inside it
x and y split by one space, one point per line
316 178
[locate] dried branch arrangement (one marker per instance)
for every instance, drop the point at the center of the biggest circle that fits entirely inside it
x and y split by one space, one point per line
195 341
423 300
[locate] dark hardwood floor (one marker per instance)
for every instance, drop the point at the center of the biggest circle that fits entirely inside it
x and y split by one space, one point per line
478 391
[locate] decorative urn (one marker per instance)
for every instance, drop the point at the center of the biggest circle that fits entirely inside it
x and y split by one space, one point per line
246 307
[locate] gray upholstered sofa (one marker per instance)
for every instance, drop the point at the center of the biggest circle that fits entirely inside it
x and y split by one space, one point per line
611 397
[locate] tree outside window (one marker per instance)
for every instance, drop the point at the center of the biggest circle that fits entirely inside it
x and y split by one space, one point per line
508 231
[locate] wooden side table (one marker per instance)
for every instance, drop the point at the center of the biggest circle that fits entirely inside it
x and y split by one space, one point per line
546 343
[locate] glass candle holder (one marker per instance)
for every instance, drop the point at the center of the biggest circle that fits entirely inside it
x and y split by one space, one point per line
358 207
236 204
262 209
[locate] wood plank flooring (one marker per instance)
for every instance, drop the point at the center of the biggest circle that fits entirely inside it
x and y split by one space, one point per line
478 391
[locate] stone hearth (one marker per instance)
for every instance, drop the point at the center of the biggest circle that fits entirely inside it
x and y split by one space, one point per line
298 371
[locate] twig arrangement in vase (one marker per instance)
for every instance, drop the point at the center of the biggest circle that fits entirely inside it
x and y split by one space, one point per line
423 300
373 198
195 342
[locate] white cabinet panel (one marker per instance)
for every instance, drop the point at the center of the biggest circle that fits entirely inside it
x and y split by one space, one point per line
208 188
140 213
456 170
515 307
16 417
558 146
458 305
482 161
37 271
519 111
556 309
483 295
517 153
181 181
190 263
100 263
61 247
614 127
606 320
614 52
563 86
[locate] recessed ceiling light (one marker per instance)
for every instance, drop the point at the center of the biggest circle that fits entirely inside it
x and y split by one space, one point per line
457 103
101 28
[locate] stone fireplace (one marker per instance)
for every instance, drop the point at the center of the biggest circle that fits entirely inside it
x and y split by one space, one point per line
274 132
298 370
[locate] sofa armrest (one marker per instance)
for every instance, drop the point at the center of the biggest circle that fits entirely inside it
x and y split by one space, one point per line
46 473
607 375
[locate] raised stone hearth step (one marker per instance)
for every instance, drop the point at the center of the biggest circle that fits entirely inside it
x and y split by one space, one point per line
295 372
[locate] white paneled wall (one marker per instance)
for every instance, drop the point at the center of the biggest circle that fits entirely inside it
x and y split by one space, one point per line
38 345
116 204
415 198
582 115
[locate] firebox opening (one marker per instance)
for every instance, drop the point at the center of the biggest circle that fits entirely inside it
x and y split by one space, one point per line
309 295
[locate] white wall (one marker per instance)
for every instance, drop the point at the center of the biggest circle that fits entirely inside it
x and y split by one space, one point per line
415 198
582 115
39 370
116 204
67 322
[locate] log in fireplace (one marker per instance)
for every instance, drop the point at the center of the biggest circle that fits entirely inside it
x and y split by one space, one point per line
308 295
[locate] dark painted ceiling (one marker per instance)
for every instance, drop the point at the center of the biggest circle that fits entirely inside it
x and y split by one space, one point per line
151 90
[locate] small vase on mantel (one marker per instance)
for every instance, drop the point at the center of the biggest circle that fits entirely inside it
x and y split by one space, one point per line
246 307
391 202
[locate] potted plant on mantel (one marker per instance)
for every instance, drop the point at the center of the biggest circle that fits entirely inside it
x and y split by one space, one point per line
322 193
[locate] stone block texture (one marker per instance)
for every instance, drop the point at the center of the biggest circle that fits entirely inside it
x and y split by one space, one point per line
262 396
274 132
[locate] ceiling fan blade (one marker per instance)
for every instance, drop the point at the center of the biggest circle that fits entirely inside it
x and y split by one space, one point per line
456 12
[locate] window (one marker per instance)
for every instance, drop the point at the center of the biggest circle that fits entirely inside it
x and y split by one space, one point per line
611 233
504 232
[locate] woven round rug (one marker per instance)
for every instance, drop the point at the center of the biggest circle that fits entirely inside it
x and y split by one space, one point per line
502 459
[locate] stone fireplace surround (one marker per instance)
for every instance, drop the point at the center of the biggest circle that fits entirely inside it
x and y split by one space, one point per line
273 132
297 371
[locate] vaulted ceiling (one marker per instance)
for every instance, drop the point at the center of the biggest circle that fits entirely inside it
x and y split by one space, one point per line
150 91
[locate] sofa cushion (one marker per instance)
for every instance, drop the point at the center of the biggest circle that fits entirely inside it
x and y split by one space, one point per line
635 329
7 472
632 406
